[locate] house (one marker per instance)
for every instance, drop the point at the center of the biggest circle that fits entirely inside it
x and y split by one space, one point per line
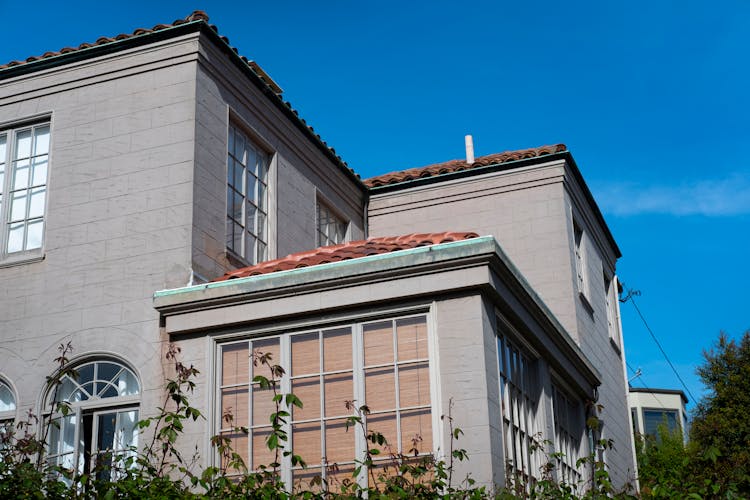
651 408
158 189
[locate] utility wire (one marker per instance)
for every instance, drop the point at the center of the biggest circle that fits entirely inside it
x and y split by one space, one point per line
630 298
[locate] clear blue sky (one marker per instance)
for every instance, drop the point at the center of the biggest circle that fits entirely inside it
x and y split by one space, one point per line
651 97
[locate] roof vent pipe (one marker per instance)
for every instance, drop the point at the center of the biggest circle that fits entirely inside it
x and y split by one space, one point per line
469 149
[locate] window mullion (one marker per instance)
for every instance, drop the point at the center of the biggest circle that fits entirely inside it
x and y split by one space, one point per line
360 441
286 388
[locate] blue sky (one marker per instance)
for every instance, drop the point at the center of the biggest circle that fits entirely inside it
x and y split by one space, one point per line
651 98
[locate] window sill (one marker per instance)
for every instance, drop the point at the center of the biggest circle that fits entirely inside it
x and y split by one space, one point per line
22 259
235 259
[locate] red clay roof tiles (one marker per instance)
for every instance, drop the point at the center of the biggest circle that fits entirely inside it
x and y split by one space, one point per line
347 251
458 165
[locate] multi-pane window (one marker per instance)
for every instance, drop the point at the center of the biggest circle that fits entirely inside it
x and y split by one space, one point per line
652 419
382 364
102 423
7 413
24 161
247 197
519 408
580 259
613 321
568 419
331 228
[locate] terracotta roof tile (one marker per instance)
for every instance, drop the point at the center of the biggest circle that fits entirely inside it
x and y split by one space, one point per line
458 165
347 251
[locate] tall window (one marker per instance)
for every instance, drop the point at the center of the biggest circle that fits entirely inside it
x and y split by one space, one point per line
24 160
652 419
7 412
382 364
247 198
613 321
103 398
331 228
580 259
568 417
517 389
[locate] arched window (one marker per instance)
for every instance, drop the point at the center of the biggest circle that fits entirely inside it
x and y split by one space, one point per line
7 411
103 398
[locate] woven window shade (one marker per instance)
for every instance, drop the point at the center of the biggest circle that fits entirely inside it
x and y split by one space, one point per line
411 334
306 442
235 364
305 354
339 441
337 349
414 384
234 402
339 388
261 454
416 431
378 343
239 446
307 389
380 388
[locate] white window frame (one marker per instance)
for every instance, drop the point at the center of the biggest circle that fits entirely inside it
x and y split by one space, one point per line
569 425
94 406
357 325
7 415
336 222
254 233
520 412
7 188
612 305
580 258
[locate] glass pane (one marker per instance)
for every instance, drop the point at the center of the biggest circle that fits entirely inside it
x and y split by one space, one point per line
338 389
380 388
307 479
262 166
378 343
127 384
260 229
385 424
40 172
269 346
237 238
21 174
15 237
251 159
337 476
105 435
239 148
262 249
237 170
339 441
412 338
263 405
250 217
235 363
68 443
18 205
3 142
23 144
41 145
416 431
250 248
337 349
238 444
230 140
305 354
262 195
230 233
414 385
34 234
250 188
261 454
55 428
7 401
237 200
306 442
234 411
307 389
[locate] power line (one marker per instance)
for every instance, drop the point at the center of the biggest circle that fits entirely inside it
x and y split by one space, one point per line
631 298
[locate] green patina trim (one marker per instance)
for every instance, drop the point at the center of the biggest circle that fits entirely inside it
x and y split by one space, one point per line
342 264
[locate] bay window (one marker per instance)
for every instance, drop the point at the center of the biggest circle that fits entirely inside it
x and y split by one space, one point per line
381 364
